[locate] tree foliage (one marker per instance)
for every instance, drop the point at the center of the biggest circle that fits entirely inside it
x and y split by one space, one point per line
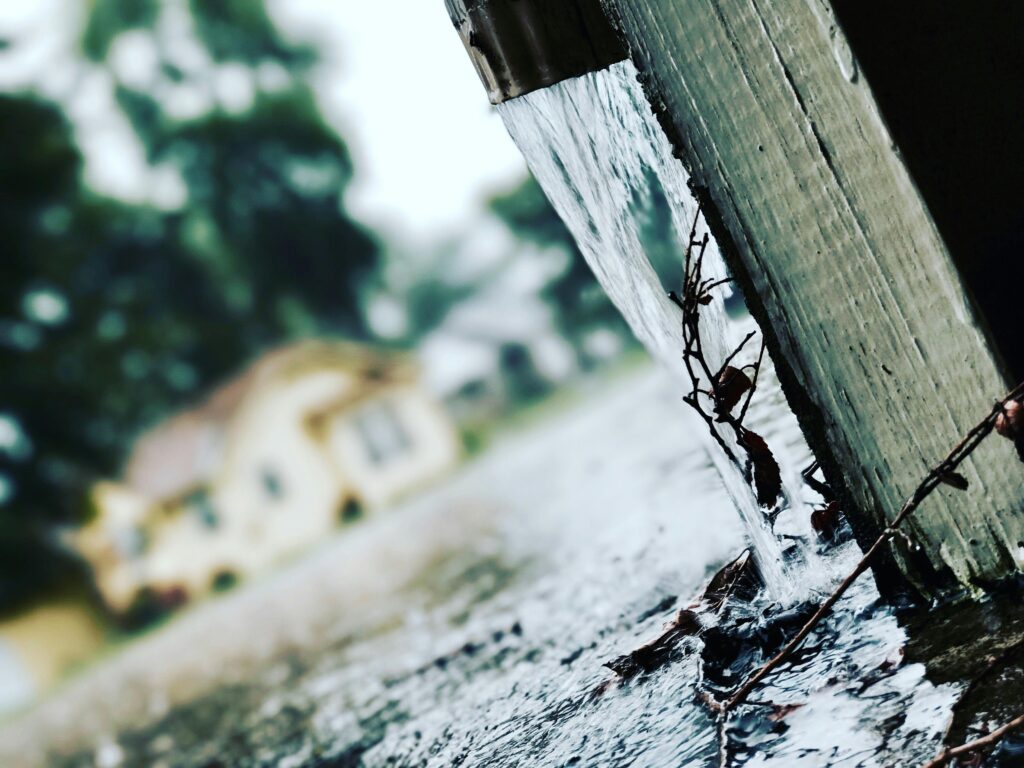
113 314
581 305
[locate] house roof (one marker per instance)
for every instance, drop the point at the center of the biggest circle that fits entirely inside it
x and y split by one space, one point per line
182 452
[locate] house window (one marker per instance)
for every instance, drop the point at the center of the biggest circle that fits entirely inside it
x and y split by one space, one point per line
200 505
273 486
383 435
350 511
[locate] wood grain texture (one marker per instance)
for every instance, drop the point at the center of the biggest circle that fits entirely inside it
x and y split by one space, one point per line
841 262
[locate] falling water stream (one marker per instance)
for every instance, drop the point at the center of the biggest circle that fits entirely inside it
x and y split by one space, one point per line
604 162
602 159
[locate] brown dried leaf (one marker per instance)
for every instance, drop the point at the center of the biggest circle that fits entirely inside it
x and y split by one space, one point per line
1010 423
753 443
732 384
737 578
767 476
826 520
659 651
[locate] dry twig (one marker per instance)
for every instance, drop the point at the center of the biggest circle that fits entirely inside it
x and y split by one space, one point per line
1004 417
727 385
944 757
931 481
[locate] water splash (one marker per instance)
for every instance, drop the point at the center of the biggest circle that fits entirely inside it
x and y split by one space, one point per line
602 159
607 168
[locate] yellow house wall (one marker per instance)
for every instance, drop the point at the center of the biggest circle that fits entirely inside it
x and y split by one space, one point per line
435 446
271 436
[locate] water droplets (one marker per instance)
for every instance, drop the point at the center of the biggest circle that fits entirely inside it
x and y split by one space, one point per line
844 55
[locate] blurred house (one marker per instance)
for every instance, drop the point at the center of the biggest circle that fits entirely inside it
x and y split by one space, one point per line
309 436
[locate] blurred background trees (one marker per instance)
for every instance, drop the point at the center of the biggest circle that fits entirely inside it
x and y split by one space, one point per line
115 313
584 309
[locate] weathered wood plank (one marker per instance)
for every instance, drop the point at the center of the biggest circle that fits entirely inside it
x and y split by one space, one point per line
866 316
520 46
946 77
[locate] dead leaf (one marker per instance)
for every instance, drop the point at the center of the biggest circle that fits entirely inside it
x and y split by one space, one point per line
767 476
737 578
660 651
1010 423
753 443
826 520
732 384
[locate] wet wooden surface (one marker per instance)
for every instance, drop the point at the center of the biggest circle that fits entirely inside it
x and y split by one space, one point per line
878 348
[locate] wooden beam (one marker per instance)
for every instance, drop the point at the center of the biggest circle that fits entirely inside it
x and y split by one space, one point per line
875 339
947 79
520 46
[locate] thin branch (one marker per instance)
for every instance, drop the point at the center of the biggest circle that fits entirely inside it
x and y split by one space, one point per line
753 383
990 740
712 284
931 481
814 484
723 741
692 402
733 354
689 247
693 298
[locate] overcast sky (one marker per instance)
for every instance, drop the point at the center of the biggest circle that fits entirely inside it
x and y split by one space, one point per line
398 81
394 79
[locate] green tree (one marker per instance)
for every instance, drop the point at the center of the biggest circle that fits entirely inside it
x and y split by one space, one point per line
113 314
265 173
105 324
581 304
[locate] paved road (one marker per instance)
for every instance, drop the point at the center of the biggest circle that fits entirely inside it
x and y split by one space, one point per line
453 626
